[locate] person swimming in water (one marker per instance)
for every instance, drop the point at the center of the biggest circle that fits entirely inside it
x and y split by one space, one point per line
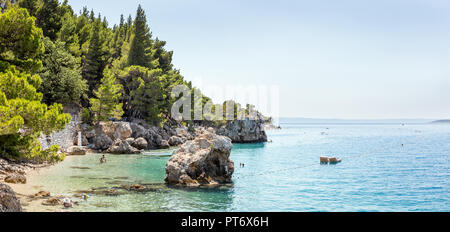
103 159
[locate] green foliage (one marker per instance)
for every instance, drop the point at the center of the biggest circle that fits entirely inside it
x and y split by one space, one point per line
49 18
87 116
33 6
68 35
142 93
106 104
61 74
97 56
20 40
141 50
23 117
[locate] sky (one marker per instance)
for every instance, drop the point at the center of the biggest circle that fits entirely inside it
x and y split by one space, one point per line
349 59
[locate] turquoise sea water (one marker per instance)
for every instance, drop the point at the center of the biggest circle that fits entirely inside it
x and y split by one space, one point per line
377 173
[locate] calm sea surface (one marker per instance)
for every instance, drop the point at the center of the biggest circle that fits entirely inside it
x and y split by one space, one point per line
377 173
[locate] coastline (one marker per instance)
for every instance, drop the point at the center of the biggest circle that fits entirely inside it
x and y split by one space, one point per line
26 192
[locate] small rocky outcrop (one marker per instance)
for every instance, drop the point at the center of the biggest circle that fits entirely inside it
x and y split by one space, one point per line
16 178
53 201
122 130
122 147
8 200
203 161
102 142
246 130
164 144
76 150
175 141
42 194
108 136
140 143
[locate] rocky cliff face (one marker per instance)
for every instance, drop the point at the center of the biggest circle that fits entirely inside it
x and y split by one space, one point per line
8 200
203 161
132 137
248 130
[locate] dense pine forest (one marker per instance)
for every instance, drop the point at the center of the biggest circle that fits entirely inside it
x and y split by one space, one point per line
51 56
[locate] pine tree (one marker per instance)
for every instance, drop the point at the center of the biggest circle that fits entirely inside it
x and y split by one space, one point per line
32 6
20 41
106 104
23 116
49 18
96 57
61 74
141 50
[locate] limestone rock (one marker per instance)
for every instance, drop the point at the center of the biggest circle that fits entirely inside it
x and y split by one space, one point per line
42 194
122 130
164 144
16 178
246 130
203 161
137 130
102 142
122 147
140 143
175 141
53 201
8 200
76 150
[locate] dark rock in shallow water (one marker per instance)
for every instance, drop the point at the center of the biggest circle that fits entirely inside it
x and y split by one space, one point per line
53 201
82 168
76 150
16 179
42 194
8 200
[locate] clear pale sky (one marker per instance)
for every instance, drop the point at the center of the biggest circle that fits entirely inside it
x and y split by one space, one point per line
330 59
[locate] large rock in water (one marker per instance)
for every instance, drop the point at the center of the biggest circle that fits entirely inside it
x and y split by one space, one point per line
205 160
245 131
8 200
122 147
102 142
76 150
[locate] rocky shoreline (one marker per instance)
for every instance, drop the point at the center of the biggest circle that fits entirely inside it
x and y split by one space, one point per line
202 159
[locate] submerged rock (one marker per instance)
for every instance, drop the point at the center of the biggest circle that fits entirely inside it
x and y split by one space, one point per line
76 150
16 178
205 160
53 201
8 200
42 194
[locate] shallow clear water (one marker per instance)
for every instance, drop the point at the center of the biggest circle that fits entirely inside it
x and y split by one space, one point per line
377 173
